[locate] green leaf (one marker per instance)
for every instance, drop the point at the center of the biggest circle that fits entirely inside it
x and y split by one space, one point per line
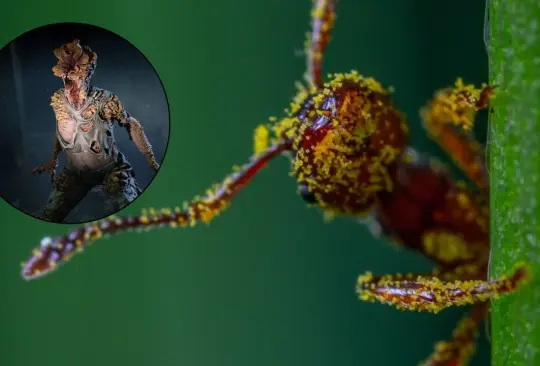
513 43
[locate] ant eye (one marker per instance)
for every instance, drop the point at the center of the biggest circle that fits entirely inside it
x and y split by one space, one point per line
306 194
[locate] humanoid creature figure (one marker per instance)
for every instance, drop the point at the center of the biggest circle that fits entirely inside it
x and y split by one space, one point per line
85 116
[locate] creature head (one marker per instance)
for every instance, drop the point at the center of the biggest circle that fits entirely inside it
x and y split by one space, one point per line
75 66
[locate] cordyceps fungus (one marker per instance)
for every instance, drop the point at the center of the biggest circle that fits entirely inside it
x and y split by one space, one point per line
349 151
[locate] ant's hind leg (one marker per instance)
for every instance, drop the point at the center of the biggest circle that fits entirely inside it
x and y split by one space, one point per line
459 349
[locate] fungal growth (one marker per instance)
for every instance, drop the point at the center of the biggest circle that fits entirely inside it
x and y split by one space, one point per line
348 145
85 119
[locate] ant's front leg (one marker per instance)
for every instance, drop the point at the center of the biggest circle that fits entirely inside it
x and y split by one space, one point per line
56 251
323 16
449 117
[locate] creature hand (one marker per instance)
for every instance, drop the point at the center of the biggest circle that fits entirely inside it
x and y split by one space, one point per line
153 164
115 182
49 167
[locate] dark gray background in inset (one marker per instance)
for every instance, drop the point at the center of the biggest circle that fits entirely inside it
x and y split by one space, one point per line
28 121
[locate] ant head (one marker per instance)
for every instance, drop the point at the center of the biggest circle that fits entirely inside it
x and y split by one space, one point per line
347 138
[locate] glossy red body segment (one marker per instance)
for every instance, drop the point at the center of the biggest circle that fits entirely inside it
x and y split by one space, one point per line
347 136
425 199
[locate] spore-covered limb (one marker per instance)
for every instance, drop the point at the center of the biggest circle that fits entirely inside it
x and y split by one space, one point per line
430 293
457 351
56 251
323 17
449 118
113 109
137 135
50 166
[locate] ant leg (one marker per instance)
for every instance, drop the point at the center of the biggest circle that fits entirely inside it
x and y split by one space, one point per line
56 251
433 294
456 107
323 17
459 349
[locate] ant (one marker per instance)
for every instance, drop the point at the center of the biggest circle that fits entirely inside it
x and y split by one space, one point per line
348 147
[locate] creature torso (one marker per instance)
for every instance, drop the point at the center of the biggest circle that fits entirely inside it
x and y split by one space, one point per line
86 138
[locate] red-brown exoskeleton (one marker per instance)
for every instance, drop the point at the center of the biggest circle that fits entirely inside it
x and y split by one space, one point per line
348 146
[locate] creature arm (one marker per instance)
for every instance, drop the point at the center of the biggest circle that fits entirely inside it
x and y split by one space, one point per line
56 150
114 110
56 251
50 166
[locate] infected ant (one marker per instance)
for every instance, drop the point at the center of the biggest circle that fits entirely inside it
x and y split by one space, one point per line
348 146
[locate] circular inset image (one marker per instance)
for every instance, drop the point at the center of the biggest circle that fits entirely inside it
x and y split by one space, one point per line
79 142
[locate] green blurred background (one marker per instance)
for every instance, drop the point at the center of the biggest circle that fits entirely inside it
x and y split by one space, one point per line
267 283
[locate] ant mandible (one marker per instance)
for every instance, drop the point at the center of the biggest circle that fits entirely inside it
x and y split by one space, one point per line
348 146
